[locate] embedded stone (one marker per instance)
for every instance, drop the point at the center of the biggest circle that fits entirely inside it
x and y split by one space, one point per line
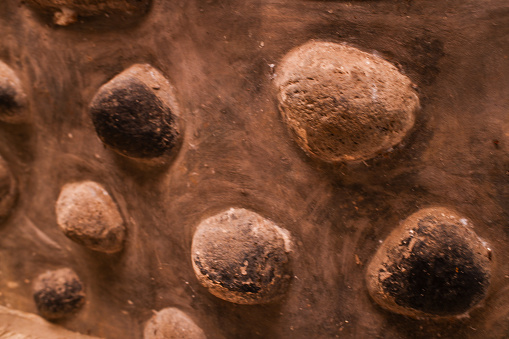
13 100
432 265
58 294
136 114
242 257
342 104
172 323
87 214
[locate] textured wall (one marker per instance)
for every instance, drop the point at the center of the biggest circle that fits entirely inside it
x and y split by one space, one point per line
203 124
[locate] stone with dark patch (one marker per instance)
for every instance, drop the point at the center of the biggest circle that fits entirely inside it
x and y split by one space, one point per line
172 323
13 100
242 257
87 214
58 294
342 104
432 265
136 114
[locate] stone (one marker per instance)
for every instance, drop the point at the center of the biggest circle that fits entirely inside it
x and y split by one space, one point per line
136 114
172 323
13 100
242 257
342 104
432 265
58 294
87 214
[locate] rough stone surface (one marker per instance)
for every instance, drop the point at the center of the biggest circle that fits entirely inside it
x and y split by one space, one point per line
20 325
58 294
172 323
13 100
136 114
343 104
223 58
242 257
432 265
87 214
67 11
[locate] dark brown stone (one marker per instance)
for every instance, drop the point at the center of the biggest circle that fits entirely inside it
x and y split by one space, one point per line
58 294
136 114
432 265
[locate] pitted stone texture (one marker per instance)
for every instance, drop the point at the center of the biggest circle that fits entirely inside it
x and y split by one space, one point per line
136 113
87 214
433 265
242 257
66 11
13 100
8 190
343 104
58 294
172 323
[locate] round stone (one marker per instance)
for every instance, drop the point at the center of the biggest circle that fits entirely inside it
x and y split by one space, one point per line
172 323
87 214
433 265
136 114
58 294
13 100
342 104
242 257
8 190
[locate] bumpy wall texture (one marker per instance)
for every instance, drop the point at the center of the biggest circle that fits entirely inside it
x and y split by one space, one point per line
254 169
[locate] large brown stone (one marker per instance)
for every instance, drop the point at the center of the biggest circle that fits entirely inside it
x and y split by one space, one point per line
343 104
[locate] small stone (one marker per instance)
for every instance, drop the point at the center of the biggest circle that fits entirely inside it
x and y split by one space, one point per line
58 294
65 17
87 214
132 118
242 257
342 104
13 100
172 323
432 265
